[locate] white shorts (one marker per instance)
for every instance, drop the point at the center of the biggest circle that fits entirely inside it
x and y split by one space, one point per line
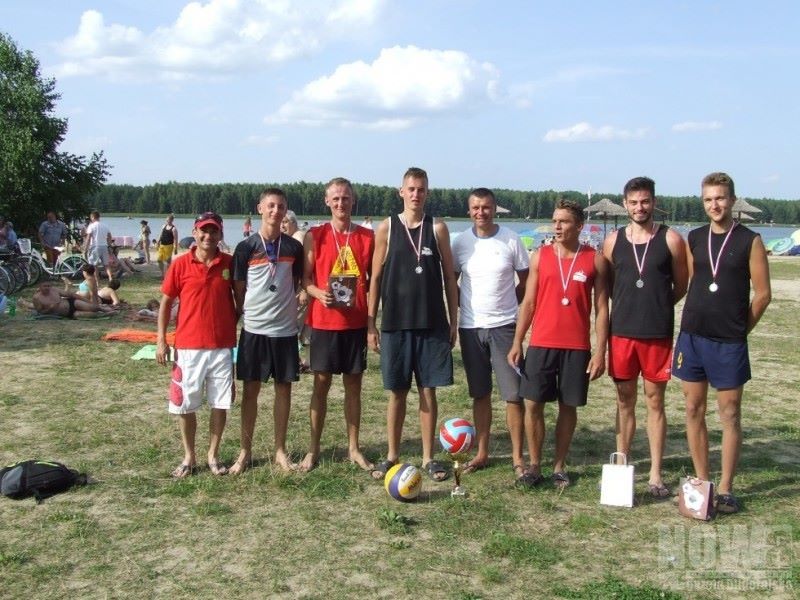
98 256
195 370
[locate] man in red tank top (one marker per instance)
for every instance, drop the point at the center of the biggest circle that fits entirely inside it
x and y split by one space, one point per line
559 363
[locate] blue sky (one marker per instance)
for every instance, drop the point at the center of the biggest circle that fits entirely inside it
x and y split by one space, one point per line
514 94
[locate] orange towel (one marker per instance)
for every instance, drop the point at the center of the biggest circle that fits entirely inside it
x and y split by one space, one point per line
138 336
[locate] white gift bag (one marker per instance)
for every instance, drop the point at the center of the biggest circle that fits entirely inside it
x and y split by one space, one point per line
616 486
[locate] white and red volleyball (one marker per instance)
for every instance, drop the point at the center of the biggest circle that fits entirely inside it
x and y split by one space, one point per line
456 435
403 482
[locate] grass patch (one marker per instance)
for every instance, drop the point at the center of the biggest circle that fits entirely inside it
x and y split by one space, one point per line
521 550
613 587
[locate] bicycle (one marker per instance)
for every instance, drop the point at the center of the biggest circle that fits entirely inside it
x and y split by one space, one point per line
67 265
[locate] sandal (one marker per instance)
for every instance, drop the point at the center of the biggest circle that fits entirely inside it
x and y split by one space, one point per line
560 479
436 470
529 478
471 467
183 470
379 471
217 468
659 492
727 504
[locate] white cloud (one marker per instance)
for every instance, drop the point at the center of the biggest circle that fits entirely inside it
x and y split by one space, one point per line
586 132
691 126
212 39
521 94
399 88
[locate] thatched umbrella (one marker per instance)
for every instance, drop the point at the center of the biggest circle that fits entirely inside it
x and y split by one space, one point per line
743 206
606 208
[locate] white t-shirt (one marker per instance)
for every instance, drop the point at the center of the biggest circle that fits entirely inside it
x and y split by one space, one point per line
487 267
97 233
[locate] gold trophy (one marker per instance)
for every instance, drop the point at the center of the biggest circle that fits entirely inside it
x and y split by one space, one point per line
456 437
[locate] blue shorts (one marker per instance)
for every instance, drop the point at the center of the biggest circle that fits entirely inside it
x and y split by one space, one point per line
724 365
425 353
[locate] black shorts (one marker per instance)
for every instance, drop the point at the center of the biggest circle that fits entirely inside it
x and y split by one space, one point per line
425 353
556 374
338 352
260 357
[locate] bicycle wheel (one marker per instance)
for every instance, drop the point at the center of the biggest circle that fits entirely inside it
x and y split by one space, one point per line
20 275
71 266
35 270
6 283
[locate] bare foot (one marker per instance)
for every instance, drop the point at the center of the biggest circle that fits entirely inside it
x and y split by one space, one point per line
216 467
241 465
309 463
476 464
283 461
183 470
357 458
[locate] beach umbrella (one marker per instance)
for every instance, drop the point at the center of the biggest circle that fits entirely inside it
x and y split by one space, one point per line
744 207
796 236
546 228
186 242
606 208
502 211
781 246
528 240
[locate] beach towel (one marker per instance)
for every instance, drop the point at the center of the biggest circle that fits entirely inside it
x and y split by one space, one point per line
136 336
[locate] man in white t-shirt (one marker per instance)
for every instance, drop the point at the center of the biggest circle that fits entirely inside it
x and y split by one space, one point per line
95 246
492 265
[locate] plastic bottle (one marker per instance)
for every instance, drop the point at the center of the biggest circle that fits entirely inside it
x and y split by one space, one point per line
12 306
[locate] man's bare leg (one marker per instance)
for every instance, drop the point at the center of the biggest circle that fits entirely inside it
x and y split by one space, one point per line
565 428
216 425
395 418
482 415
249 413
428 414
626 414
696 393
280 416
534 434
352 417
729 403
188 427
515 421
656 427
317 410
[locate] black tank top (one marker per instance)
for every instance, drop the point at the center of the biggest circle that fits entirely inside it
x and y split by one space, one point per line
412 300
720 315
645 312
167 235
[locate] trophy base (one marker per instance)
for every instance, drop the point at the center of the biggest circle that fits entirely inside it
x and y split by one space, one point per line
459 492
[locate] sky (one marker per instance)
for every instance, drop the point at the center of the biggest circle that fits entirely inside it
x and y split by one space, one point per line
513 94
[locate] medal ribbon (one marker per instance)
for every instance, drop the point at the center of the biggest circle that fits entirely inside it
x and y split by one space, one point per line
418 247
342 262
640 266
715 266
272 264
565 282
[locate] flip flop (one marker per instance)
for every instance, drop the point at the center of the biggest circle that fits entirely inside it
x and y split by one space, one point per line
217 468
434 468
472 467
560 479
659 492
727 504
528 479
379 471
183 470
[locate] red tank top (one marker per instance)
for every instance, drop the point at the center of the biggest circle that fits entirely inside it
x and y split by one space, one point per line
556 325
331 259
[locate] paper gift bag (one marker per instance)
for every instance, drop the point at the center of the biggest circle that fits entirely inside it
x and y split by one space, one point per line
616 486
696 498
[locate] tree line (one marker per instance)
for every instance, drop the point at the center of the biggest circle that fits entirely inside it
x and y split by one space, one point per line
307 198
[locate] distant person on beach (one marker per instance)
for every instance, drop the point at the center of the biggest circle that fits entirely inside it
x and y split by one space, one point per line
144 240
247 227
204 336
338 259
52 234
412 272
559 362
48 300
88 288
488 260
649 275
167 243
367 222
267 271
727 260
98 238
289 226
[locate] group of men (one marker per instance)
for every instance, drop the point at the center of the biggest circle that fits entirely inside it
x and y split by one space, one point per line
410 274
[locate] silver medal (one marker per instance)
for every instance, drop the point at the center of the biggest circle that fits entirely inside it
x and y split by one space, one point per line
713 287
564 301
639 283
418 270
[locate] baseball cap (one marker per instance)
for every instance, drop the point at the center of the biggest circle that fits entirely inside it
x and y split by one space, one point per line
208 218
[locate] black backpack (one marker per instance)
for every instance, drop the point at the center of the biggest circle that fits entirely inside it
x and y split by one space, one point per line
38 478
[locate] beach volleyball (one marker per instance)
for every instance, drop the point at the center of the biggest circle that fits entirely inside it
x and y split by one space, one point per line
403 482
456 435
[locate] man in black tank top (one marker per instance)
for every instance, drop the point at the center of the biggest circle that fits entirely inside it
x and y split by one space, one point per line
726 260
650 275
412 258
167 244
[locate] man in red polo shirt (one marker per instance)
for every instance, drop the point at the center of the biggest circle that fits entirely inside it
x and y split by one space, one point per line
204 336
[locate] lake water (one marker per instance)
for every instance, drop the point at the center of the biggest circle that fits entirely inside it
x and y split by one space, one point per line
123 226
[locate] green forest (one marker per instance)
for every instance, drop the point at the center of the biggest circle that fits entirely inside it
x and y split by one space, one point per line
308 199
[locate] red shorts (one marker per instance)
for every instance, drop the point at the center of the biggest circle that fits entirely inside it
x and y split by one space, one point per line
627 357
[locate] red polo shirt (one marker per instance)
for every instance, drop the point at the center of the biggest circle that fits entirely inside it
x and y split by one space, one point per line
207 315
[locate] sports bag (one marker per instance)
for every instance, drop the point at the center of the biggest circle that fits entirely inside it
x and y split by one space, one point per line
38 478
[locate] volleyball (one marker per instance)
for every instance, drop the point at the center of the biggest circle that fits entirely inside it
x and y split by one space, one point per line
403 482
456 435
